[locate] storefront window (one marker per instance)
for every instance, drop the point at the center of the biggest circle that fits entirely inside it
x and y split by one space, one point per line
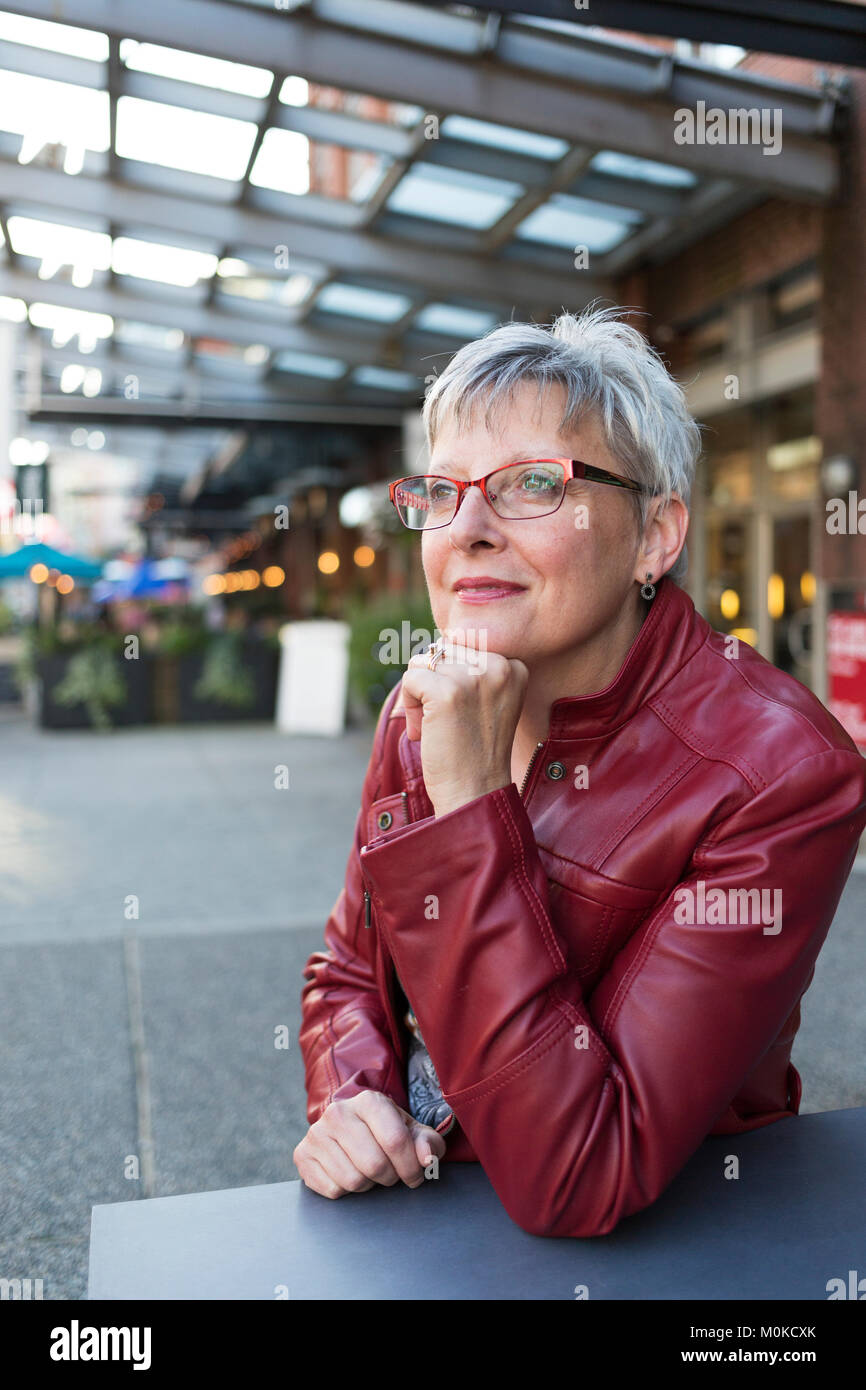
793 454
790 595
728 463
729 600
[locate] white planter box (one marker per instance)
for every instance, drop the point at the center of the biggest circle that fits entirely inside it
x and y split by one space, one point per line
313 678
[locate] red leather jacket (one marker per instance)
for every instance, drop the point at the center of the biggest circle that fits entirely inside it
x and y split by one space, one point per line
592 1007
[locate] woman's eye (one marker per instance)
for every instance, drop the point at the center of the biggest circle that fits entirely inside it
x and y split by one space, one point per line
536 482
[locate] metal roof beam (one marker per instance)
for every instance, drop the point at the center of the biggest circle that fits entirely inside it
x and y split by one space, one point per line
57 67
821 30
343 128
328 411
119 362
367 347
595 91
328 127
353 251
192 319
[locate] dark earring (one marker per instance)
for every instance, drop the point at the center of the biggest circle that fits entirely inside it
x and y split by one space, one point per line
648 591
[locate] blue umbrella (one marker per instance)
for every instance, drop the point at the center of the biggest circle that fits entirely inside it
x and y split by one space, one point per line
19 562
148 578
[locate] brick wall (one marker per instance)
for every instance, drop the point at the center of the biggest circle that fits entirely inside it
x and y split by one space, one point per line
334 168
762 244
841 394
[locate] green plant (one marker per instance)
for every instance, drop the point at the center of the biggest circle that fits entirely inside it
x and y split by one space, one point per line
25 666
384 633
47 641
224 678
7 618
93 678
177 638
38 642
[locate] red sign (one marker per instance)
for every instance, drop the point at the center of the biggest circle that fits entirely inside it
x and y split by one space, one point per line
846 668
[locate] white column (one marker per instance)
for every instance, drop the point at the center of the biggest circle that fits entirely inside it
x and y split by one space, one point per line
8 348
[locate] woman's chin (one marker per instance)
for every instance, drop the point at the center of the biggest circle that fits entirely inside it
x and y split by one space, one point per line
483 633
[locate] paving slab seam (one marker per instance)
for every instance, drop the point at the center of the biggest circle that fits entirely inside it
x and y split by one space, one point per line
141 1062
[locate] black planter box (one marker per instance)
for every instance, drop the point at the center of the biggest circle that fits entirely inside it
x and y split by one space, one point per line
160 689
260 661
136 709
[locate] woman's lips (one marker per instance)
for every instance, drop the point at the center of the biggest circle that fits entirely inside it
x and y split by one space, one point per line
484 594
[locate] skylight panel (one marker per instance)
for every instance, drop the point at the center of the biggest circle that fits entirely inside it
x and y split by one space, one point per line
57 38
260 261
309 364
59 113
231 266
12 310
295 290
369 177
196 68
363 303
452 195
251 275
74 376
503 137
385 379
406 115
454 321
283 162
176 138
266 289
170 265
726 55
572 222
56 245
212 351
67 324
630 166
295 91
131 333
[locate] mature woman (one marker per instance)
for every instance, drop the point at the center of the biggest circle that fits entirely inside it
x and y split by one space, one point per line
600 844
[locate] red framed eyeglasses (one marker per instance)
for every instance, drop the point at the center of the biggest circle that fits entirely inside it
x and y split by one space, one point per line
517 492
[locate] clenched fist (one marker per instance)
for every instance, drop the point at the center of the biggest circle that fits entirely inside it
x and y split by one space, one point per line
363 1141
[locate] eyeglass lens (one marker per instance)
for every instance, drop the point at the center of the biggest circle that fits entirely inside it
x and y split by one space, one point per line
527 489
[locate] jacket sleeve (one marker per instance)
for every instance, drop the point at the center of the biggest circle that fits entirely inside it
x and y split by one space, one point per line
582 1111
345 1038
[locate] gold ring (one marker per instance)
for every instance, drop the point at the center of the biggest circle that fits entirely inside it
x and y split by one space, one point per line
435 654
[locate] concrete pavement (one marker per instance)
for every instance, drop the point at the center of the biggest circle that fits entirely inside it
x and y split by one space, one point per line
152 1037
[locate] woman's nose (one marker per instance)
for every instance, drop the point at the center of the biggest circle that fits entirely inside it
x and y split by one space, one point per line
474 510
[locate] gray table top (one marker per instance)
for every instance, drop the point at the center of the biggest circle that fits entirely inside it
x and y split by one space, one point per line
793 1219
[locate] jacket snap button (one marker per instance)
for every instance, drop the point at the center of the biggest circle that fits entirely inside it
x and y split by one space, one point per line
384 820
555 771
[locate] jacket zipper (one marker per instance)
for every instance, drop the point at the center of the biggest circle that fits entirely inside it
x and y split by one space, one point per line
531 763
385 977
404 796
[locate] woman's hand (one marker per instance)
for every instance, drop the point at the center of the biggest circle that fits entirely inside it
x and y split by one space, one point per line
363 1141
465 712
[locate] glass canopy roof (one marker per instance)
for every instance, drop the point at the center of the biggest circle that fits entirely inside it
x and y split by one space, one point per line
324 190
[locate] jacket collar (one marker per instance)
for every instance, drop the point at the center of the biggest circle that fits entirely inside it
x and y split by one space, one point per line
669 636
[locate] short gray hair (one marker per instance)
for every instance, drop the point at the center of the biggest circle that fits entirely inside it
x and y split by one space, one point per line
606 366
